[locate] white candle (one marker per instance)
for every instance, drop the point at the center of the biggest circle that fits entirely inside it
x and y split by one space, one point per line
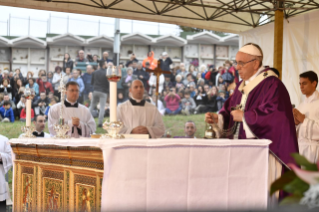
28 111
113 101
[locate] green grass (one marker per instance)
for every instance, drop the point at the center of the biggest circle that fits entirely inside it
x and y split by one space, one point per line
175 125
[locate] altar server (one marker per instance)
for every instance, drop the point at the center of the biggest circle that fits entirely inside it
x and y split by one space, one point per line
138 115
307 117
39 124
5 164
76 115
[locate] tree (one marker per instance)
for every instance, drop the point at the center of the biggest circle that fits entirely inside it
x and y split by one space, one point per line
192 29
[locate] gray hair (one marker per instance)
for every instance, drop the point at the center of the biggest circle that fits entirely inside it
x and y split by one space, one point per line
129 68
200 80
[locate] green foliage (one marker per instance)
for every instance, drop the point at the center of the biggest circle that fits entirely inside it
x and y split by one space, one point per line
280 183
302 161
291 183
193 29
175 124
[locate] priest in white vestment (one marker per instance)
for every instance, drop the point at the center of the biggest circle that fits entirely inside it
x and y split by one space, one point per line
140 116
306 117
5 166
76 115
39 124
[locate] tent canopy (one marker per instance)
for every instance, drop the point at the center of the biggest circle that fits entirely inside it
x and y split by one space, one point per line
233 16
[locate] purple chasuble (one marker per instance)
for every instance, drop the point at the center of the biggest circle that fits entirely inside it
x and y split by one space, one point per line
268 114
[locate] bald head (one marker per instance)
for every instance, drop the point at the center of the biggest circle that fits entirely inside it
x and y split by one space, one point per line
137 89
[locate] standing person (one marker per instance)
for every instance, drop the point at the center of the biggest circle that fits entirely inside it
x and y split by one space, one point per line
127 81
76 78
100 90
81 57
56 80
139 116
142 75
67 76
306 117
5 75
151 60
19 74
6 164
87 78
50 77
76 115
106 57
67 62
264 97
166 62
132 59
44 85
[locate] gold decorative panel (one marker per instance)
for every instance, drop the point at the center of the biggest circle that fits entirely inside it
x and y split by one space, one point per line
55 178
27 192
52 195
85 198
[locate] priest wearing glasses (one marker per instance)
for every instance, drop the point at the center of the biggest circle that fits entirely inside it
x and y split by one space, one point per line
76 115
260 106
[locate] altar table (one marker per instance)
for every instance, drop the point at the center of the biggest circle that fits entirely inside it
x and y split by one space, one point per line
140 175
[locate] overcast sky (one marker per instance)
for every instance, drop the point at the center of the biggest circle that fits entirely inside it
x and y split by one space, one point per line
78 24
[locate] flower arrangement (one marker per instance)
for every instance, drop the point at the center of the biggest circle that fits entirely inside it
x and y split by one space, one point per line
301 183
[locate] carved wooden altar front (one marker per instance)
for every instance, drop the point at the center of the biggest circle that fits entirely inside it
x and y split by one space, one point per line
57 178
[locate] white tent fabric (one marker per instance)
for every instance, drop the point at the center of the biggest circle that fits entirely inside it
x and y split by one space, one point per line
227 15
300 49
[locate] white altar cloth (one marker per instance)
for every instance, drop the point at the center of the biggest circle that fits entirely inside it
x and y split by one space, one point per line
177 174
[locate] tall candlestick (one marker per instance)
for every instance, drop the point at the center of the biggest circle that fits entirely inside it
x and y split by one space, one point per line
113 101
28 111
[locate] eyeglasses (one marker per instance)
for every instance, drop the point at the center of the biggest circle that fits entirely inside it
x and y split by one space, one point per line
241 64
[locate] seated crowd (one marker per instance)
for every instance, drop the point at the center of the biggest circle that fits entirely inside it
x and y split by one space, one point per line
184 91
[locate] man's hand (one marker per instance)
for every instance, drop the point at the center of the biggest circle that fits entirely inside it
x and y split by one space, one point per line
141 76
140 130
211 118
40 104
298 116
237 115
75 121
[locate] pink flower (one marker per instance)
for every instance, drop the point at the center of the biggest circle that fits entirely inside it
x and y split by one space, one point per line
310 177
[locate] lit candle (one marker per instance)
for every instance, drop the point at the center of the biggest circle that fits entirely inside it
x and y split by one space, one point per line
28 108
113 101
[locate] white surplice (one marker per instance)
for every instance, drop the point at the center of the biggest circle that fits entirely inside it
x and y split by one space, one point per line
152 82
308 131
5 151
87 123
147 116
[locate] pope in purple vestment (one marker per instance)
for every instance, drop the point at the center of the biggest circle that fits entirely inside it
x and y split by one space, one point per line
268 114
266 110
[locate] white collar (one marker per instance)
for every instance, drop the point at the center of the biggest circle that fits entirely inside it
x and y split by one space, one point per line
313 97
255 75
136 100
72 103
38 132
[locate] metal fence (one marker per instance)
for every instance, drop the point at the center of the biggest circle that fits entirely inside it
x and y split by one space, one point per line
22 26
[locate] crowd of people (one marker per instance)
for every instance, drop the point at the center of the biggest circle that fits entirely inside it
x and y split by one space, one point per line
190 90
